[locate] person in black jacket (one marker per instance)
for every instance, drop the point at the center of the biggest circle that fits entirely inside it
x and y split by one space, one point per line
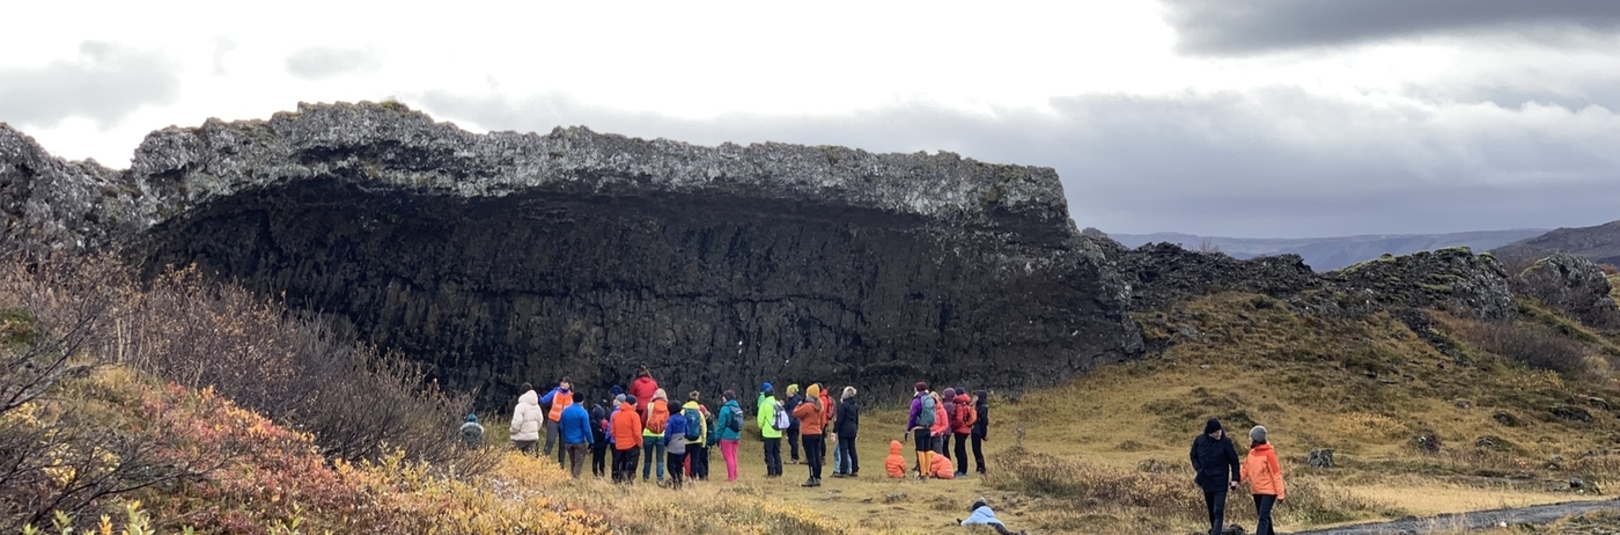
1216 463
847 423
599 443
792 402
981 429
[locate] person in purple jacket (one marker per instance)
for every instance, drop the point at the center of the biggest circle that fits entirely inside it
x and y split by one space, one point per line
919 423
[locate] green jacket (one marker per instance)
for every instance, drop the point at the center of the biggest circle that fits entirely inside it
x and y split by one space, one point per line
767 413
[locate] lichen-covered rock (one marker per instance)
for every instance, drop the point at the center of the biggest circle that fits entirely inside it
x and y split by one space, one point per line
1453 279
1572 284
505 258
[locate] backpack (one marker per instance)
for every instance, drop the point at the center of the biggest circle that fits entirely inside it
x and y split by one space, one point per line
925 417
656 420
694 426
736 423
781 420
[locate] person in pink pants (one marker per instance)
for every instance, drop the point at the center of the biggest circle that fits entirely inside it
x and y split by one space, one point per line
728 427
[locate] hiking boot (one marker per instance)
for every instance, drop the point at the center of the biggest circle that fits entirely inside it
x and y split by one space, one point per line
815 482
809 483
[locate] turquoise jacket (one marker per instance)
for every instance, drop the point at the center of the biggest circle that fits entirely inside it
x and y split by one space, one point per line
722 427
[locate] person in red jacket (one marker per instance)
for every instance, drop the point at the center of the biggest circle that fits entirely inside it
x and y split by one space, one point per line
626 431
1264 475
643 389
961 426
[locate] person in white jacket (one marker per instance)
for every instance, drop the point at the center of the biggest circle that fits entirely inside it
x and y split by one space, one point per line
527 419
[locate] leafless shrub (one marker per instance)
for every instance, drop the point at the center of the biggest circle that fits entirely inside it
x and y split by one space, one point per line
1533 345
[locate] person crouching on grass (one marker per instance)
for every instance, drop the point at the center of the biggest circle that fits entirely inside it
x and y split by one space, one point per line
1264 475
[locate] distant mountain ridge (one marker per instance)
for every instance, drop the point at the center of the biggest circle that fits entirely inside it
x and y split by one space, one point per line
1325 254
1600 243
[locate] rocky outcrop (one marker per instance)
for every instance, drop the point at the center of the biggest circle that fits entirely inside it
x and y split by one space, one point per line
505 257
1164 273
1572 284
1452 279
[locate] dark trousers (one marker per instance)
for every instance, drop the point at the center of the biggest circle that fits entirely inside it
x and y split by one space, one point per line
978 453
624 465
961 453
944 445
1215 503
793 443
675 460
846 448
599 459
699 458
1263 504
814 454
773 456
526 446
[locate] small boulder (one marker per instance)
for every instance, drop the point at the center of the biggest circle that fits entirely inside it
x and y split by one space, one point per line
1571 413
1507 419
1320 458
1572 284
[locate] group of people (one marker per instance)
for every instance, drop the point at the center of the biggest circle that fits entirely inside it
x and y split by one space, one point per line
638 426
1215 461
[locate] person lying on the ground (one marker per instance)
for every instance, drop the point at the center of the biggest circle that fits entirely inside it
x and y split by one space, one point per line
984 516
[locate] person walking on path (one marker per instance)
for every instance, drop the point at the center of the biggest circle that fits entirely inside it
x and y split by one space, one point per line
559 399
626 431
920 423
675 444
961 427
599 441
654 419
981 427
697 437
472 434
729 427
767 408
792 402
1264 475
526 418
848 423
574 429
812 416
1215 462
643 388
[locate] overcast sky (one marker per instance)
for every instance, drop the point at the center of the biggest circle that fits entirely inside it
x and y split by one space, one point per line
1264 118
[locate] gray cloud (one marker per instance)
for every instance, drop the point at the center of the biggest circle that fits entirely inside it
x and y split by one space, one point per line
320 63
1270 163
1222 27
105 83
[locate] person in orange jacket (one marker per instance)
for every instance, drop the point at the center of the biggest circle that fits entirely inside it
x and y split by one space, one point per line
1264 475
895 465
812 415
942 468
626 431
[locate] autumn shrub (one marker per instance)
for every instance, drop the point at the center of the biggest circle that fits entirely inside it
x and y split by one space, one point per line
1532 345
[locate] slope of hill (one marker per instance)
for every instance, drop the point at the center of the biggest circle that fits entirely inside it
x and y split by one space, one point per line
1600 243
1324 254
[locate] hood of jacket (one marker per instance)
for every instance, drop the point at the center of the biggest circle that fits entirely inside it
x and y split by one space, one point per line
530 398
894 447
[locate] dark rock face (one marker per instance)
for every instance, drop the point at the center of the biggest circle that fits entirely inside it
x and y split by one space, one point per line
1572 284
1164 273
506 258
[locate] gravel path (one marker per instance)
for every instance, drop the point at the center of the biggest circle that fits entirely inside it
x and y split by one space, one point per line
1540 514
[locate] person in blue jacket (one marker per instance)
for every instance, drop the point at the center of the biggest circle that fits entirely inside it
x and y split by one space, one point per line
574 427
982 515
675 446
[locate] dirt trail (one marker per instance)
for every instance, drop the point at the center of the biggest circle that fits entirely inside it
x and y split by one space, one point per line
1540 514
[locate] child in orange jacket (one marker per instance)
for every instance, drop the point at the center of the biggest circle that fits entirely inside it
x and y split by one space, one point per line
1264 475
942 468
895 465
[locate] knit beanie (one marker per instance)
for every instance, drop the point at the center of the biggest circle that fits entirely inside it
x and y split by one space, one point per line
1212 426
661 395
616 390
922 387
694 395
729 395
767 389
618 398
949 393
526 387
1258 434
813 391
630 399
472 417
793 389
849 392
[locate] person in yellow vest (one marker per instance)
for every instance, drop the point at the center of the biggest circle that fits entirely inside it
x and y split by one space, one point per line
652 435
559 399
